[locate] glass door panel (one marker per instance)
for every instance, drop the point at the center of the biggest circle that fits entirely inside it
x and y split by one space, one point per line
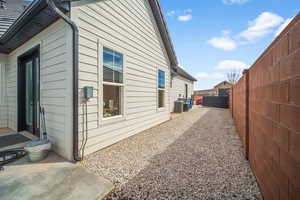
29 93
37 91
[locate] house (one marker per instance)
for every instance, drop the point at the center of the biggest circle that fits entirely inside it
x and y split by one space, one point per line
100 69
182 85
203 93
222 89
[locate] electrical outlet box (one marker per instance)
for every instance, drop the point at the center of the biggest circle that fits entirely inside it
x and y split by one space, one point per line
88 92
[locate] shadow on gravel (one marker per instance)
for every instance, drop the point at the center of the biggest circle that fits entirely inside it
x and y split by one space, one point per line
206 162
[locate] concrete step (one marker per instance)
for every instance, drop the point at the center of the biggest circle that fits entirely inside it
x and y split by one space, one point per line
54 178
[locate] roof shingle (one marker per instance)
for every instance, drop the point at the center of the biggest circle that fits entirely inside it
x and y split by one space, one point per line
11 11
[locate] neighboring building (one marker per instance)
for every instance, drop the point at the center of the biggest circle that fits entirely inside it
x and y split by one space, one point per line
182 85
121 49
203 93
221 89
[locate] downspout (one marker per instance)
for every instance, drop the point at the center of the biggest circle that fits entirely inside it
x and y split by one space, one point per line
74 28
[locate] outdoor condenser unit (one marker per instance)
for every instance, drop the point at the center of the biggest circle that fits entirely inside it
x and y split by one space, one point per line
178 108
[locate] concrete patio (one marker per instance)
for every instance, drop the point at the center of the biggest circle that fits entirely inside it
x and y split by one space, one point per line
52 179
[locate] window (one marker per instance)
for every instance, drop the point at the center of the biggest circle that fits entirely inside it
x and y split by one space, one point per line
186 90
161 79
112 83
161 88
113 66
111 101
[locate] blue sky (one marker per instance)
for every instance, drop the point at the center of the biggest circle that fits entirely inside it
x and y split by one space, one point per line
213 36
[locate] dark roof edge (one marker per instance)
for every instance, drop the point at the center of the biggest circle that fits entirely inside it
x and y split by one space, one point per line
29 14
183 73
163 29
20 20
223 83
155 6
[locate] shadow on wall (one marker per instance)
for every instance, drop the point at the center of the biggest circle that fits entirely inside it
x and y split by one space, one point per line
206 162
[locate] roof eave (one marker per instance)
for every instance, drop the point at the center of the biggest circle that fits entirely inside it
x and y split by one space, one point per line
32 21
20 20
36 6
163 29
186 74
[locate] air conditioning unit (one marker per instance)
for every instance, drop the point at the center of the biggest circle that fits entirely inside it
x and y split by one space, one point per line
178 108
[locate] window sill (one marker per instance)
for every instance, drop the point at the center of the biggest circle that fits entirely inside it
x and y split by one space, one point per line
112 120
162 109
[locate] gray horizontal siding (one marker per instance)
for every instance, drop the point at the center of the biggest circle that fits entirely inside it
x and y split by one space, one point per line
3 86
56 84
127 26
178 88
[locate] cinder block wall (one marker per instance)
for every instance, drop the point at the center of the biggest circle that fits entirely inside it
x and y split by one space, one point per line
239 109
230 101
274 116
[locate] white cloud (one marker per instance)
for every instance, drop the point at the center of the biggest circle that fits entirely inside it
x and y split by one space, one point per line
182 15
189 10
231 2
282 26
225 32
205 75
263 25
224 43
185 18
231 64
171 13
223 65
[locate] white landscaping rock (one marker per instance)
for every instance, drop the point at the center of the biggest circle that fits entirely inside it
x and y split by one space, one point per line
197 155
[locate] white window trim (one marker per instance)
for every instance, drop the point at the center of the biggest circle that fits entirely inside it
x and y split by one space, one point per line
108 120
160 109
112 84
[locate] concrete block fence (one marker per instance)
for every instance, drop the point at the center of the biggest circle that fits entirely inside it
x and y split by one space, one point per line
265 106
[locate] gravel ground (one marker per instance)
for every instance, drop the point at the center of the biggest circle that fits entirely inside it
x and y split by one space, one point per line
196 155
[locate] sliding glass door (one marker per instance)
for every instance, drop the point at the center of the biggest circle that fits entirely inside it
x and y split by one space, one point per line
29 95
